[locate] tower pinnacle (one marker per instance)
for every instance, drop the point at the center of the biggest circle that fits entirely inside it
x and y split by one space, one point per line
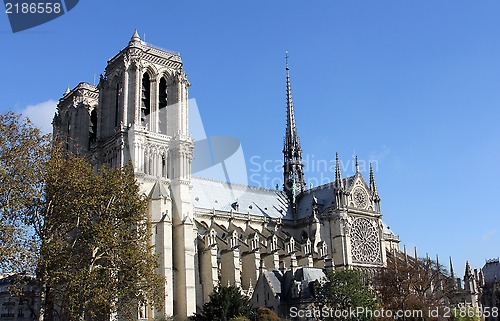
452 273
373 185
338 174
293 169
135 38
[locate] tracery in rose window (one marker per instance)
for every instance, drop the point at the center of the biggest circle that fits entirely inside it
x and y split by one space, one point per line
365 242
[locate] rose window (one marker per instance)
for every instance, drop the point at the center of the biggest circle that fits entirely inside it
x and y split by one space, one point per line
365 243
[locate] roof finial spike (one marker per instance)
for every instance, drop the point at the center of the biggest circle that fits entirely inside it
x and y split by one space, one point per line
357 164
286 59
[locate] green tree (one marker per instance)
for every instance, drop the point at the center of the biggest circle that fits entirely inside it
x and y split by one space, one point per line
346 290
24 152
225 304
95 256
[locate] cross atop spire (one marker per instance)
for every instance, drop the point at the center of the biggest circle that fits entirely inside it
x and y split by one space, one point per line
293 169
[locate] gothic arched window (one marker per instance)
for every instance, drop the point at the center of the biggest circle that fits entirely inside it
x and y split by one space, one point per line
322 249
162 106
290 247
163 166
307 247
145 99
233 242
93 127
255 242
117 103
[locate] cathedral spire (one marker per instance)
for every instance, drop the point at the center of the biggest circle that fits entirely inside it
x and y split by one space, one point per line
293 169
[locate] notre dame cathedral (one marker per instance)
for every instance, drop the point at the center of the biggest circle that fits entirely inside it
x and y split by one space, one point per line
209 232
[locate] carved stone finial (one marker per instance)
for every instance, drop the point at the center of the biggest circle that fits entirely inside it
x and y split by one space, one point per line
135 36
135 39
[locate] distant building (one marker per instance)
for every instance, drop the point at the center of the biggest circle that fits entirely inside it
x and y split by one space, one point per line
208 232
18 298
294 289
490 286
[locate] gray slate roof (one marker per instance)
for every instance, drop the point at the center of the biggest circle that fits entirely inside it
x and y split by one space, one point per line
273 281
222 196
325 197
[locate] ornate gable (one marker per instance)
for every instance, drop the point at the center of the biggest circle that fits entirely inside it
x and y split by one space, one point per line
359 193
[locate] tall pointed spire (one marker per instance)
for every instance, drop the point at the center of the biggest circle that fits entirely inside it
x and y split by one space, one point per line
373 190
373 185
339 185
293 169
338 175
468 271
452 274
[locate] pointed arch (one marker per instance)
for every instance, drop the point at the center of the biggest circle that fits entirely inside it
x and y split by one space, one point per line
93 127
162 105
145 98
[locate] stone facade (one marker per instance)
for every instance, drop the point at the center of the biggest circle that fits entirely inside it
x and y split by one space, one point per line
19 298
208 232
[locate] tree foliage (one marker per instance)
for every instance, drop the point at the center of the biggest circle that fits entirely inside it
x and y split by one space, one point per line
344 290
24 152
264 314
96 256
225 304
411 284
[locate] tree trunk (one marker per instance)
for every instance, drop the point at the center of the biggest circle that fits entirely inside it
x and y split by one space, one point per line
43 300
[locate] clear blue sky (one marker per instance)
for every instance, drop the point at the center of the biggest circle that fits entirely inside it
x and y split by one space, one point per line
414 85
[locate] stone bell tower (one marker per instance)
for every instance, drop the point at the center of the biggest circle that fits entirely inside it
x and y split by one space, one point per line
142 118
